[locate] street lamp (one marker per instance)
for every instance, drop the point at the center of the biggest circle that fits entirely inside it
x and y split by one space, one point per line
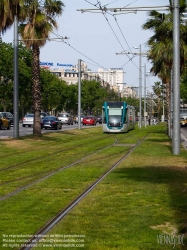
140 85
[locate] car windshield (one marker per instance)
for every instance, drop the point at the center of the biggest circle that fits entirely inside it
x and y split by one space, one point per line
63 115
49 118
30 115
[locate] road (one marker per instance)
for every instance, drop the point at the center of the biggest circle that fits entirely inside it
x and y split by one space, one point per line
184 137
4 133
27 131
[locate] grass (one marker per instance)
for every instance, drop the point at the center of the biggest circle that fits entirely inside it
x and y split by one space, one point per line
140 201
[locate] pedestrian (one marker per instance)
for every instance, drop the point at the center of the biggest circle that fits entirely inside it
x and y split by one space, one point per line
154 121
149 121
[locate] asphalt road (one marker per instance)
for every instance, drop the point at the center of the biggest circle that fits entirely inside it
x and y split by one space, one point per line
4 133
184 137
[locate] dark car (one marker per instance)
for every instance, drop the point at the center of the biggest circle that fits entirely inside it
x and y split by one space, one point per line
99 119
4 122
9 116
51 122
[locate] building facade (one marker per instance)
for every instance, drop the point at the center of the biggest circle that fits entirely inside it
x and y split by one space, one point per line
114 77
70 74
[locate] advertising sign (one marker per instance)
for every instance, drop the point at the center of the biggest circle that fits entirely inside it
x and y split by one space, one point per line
48 64
51 64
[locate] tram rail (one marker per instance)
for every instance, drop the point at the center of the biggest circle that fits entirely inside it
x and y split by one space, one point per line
33 241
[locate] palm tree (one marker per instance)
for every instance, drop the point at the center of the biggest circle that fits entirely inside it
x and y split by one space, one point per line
161 45
34 32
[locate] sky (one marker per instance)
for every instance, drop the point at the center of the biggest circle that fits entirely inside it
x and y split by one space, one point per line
96 38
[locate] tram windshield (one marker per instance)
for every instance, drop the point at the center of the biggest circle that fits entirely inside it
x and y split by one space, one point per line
115 115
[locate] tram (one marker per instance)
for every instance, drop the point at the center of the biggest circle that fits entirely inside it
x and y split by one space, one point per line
118 117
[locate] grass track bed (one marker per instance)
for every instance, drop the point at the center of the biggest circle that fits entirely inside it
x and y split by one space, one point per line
143 197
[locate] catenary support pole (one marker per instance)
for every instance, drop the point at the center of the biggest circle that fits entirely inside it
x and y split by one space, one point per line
176 79
171 106
16 84
79 94
145 95
140 88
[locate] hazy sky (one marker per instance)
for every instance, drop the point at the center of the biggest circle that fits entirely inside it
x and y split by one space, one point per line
95 38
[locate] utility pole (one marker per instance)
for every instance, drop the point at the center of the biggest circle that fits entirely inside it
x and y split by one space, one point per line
79 94
176 79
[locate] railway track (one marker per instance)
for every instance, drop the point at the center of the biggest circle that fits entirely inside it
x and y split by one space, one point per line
41 156
55 172
32 242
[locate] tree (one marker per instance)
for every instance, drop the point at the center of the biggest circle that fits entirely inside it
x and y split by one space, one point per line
92 93
6 73
161 45
35 31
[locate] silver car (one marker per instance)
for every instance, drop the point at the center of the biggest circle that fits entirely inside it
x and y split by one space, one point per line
65 118
28 120
76 118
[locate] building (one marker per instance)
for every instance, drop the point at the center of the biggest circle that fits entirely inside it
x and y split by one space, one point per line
70 74
113 76
129 92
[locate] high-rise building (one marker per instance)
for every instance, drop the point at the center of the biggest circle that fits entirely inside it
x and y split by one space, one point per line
113 76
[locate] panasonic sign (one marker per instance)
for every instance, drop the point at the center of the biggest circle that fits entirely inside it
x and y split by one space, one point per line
64 65
51 64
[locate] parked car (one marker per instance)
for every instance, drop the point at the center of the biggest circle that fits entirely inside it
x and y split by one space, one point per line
28 120
4 122
51 122
183 122
89 120
65 118
76 118
9 116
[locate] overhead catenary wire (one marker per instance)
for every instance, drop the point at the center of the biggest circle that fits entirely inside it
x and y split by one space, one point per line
104 11
61 39
78 50
104 14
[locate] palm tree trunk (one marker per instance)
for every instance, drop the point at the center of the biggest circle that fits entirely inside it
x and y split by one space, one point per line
36 92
